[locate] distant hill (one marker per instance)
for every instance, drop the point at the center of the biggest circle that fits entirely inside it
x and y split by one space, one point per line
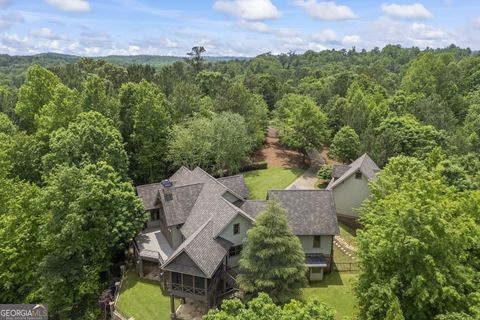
12 68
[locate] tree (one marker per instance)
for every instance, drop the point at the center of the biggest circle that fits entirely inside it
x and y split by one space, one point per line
220 144
38 90
151 124
185 99
92 213
24 154
20 239
190 144
210 82
238 99
7 126
231 144
471 128
90 139
272 260
63 108
413 247
196 59
302 124
94 97
345 145
404 136
263 308
395 311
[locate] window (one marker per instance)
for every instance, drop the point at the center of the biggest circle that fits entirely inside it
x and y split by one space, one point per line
235 250
358 175
154 215
316 270
316 241
236 228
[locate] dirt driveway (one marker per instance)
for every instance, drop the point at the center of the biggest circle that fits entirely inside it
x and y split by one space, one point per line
278 156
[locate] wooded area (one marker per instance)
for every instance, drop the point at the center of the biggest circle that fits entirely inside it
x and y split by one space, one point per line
78 134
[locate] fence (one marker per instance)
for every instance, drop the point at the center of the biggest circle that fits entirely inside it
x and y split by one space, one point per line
346 266
116 313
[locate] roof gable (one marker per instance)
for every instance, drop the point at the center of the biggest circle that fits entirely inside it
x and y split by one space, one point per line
364 164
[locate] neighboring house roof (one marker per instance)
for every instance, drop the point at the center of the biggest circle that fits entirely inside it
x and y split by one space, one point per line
339 170
237 184
364 164
309 212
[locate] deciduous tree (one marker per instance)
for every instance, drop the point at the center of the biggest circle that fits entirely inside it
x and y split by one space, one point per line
345 145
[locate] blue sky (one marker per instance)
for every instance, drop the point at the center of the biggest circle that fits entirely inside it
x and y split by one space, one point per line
231 27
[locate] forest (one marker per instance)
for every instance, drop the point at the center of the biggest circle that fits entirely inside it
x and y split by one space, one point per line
76 136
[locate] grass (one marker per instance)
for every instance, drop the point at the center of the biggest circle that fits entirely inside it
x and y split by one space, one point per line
260 181
336 290
143 299
348 234
341 257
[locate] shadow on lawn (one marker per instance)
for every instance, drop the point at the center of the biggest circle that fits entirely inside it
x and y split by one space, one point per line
332 279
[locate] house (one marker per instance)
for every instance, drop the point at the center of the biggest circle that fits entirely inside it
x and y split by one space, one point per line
349 185
197 224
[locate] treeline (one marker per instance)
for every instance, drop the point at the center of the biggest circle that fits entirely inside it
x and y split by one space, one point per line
75 138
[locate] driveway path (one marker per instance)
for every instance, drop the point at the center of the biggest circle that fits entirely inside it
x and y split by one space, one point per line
309 178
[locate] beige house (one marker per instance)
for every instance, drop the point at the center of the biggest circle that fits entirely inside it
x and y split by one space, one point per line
349 185
194 237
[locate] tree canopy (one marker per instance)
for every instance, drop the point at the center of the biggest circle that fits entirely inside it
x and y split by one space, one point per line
413 247
263 308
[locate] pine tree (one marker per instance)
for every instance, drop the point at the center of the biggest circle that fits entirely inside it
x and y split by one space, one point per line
395 311
273 259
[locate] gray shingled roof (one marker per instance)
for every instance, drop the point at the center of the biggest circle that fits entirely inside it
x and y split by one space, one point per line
148 194
254 207
205 251
364 164
339 170
309 212
178 206
198 202
236 184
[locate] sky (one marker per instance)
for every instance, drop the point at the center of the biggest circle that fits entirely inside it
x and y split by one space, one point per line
231 27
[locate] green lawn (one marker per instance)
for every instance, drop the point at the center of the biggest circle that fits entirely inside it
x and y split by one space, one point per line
336 290
348 234
143 299
259 181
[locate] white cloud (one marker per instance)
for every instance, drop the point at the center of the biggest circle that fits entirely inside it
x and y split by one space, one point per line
476 23
71 5
328 10
326 35
91 39
248 9
350 40
422 31
407 11
254 26
9 19
45 33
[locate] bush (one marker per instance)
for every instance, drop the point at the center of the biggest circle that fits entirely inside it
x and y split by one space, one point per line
255 166
325 172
